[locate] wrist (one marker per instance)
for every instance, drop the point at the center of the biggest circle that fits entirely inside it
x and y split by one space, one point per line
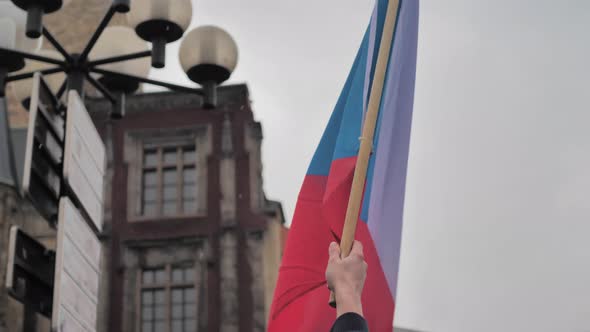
348 301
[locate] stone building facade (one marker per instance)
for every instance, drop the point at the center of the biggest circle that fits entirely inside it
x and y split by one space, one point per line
185 214
203 255
193 240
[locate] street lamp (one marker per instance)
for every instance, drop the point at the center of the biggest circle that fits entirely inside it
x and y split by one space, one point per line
160 22
114 59
208 55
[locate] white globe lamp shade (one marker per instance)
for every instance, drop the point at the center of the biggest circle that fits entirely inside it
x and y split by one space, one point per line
208 54
23 88
115 41
160 22
176 13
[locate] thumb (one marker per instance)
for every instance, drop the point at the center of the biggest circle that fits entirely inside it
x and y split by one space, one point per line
334 251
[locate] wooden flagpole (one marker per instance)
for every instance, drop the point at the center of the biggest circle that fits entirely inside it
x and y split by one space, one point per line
366 145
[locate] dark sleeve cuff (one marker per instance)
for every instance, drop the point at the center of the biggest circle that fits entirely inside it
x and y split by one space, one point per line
350 322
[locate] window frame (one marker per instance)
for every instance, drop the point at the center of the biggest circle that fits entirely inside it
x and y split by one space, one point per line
168 286
161 166
137 140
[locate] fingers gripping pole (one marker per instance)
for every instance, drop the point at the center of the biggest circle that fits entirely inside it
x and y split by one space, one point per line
366 141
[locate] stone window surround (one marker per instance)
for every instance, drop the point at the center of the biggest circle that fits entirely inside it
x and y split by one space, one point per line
141 256
136 140
167 287
158 166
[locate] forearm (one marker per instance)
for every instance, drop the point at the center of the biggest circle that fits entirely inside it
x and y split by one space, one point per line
348 301
346 277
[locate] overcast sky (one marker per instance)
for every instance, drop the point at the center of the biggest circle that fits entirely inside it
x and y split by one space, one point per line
497 216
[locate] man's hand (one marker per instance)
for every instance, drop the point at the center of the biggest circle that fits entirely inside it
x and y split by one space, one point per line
346 278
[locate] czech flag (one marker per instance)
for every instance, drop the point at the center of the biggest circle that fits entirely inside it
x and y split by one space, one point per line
301 296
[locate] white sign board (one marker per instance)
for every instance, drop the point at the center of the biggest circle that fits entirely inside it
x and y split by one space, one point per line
84 159
77 272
